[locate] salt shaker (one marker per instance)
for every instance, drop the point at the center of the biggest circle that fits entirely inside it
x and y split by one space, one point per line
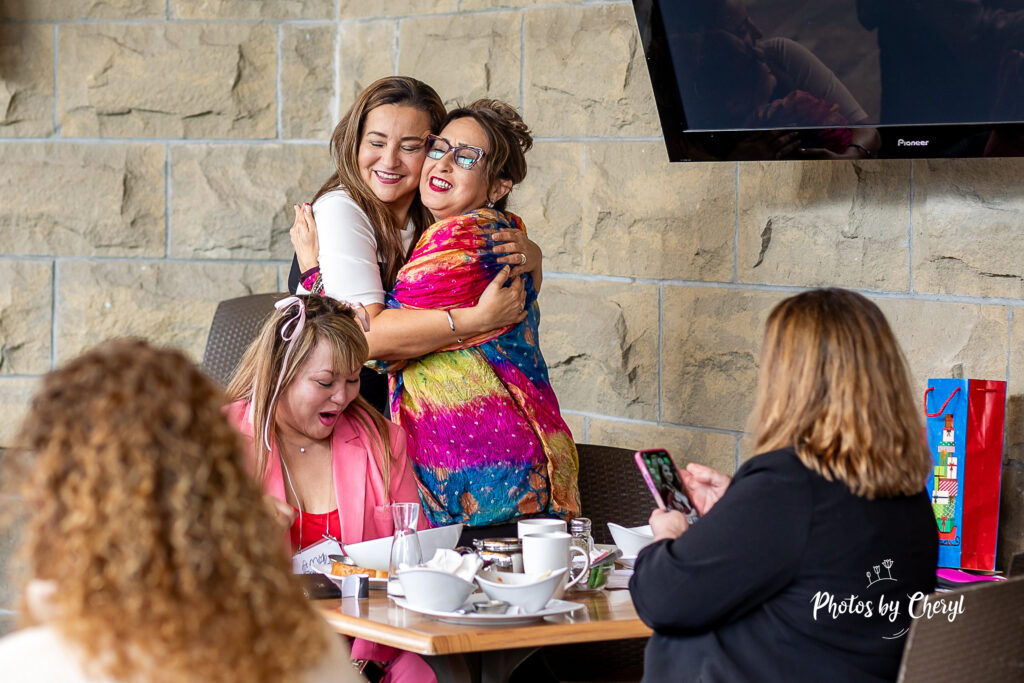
581 538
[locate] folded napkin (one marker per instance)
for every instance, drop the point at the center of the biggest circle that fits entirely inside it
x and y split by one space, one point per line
463 566
619 579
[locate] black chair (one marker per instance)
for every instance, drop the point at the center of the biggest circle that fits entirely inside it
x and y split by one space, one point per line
1016 564
235 324
983 643
611 490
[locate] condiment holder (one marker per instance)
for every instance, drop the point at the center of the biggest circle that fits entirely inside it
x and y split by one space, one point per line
500 554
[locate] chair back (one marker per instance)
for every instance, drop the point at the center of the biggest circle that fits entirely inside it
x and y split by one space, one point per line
235 325
611 489
983 643
1016 564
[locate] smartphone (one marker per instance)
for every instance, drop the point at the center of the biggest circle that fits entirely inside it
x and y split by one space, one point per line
318 587
665 481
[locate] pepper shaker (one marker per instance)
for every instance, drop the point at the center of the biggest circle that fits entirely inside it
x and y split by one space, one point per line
581 538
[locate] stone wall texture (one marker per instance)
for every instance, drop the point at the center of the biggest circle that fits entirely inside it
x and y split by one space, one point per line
150 151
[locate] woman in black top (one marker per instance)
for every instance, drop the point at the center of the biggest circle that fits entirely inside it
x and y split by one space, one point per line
803 567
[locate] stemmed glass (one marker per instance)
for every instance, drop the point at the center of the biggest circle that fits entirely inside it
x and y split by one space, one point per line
405 545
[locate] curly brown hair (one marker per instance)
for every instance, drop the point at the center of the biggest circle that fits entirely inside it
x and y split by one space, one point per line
167 562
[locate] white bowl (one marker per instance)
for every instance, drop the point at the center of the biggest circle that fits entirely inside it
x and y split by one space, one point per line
525 591
631 541
376 554
434 589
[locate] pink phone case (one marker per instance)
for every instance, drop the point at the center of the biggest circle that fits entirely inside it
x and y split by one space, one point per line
647 477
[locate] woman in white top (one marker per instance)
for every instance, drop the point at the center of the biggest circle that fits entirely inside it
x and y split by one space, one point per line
150 553
369 215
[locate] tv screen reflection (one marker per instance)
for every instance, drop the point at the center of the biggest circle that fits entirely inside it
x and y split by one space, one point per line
835 65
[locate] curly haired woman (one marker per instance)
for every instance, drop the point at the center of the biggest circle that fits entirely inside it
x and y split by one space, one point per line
150 552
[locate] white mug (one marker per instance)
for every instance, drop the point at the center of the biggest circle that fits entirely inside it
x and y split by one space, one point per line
539 526
551 551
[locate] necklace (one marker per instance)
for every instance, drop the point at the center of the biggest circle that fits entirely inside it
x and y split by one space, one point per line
298 503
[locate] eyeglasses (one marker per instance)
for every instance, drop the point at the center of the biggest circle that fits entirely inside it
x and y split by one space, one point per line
466 156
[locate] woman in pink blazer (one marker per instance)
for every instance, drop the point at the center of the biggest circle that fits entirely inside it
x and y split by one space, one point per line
328 462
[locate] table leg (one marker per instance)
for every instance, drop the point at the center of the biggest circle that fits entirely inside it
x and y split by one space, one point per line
478 667
497 665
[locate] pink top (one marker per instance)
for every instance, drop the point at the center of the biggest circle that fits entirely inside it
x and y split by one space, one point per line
358 483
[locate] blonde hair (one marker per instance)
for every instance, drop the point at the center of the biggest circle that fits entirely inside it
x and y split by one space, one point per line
834 385
168 564
256 378
345 142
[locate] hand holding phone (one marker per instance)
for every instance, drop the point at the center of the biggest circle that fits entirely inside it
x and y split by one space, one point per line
665 482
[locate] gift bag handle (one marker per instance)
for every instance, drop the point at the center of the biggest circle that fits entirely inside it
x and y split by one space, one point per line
943 405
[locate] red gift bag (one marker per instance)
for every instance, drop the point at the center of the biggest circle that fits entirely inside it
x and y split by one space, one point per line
965 437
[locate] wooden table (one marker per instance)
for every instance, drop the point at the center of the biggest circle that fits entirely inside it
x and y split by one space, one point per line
606 615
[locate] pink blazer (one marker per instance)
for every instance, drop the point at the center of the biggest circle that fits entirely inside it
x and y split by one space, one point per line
357 479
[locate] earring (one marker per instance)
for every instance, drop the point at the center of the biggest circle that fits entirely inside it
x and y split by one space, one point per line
490 203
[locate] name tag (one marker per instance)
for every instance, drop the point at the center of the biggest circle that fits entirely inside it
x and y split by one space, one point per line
312 559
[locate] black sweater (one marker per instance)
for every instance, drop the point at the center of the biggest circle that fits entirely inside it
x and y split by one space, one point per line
733 598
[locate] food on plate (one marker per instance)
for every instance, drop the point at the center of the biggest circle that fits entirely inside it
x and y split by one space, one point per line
342 569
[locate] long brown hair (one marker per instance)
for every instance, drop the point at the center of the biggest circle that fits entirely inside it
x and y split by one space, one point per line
168 565
345 141
834 385
508 137
256 377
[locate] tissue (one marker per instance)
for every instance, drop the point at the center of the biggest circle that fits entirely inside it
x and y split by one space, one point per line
463 566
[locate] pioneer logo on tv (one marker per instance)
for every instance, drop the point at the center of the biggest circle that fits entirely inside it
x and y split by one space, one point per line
911 143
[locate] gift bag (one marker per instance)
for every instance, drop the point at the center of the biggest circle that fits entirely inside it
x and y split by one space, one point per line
965 436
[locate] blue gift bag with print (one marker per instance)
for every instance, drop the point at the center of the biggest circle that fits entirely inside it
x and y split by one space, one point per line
964 422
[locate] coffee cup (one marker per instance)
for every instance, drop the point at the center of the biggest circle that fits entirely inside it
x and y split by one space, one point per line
551 551
538 525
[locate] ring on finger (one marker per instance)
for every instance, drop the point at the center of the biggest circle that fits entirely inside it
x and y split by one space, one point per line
522 259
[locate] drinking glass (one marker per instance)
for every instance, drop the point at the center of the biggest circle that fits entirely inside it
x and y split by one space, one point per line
405 545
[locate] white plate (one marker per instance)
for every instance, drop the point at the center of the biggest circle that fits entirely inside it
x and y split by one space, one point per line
554 607
626 561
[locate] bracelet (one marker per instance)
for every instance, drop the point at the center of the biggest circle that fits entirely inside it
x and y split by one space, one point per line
312 282
867 152
451 324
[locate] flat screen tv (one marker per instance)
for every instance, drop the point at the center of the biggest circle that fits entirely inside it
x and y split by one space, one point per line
834 79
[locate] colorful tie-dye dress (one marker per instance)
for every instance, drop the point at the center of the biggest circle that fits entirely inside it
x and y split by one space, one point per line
485 434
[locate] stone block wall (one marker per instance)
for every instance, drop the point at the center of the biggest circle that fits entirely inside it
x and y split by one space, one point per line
150 151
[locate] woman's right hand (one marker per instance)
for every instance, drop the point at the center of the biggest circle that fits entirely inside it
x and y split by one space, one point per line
500 306
667 524
304 238
705 486
284 514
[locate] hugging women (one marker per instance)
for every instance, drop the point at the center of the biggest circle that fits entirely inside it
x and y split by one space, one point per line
413 226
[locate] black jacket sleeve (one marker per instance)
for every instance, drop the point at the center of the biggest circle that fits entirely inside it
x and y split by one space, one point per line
745 550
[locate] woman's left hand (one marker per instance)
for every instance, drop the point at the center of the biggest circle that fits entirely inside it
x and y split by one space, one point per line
304 238
668 524
515 243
